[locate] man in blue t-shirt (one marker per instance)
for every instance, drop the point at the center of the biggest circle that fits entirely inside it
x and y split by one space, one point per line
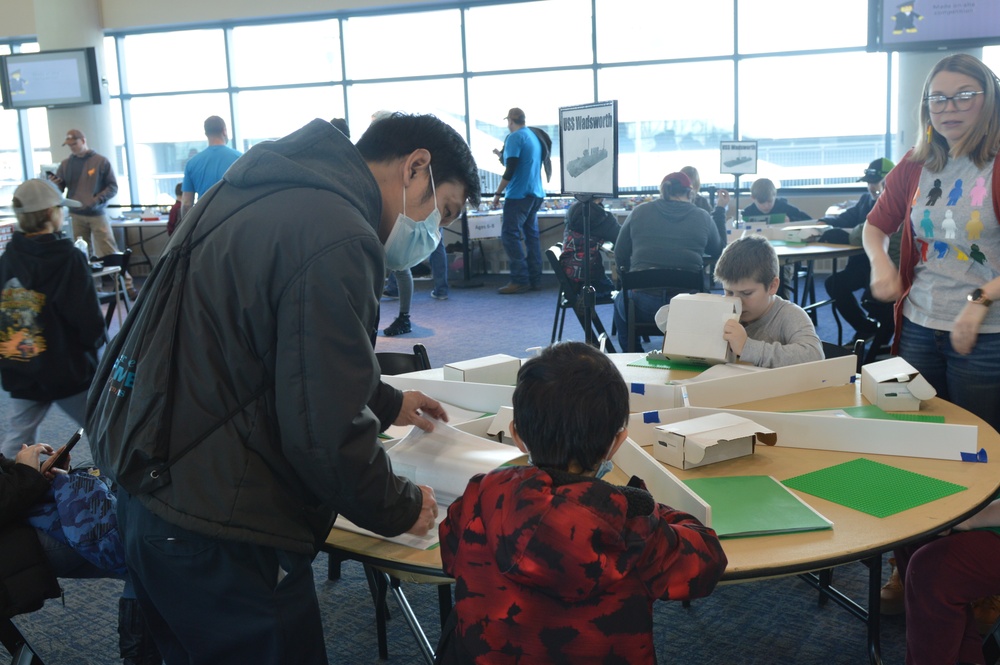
208 166
522 180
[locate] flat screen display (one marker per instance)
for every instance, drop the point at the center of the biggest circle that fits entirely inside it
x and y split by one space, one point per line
49 78
931 25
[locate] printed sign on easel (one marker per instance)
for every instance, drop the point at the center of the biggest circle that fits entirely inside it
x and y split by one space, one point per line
738 157
588 149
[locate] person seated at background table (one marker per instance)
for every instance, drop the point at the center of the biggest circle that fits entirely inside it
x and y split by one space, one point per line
842 284
175 210
718 213
603 228
33 559
766 202
771 331
551 563
670 232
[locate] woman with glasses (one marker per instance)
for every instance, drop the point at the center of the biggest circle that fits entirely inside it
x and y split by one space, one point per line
945 194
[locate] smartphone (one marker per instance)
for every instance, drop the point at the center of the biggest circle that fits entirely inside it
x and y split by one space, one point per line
56 458
50 174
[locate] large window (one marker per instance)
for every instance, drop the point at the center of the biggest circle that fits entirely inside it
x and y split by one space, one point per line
792 75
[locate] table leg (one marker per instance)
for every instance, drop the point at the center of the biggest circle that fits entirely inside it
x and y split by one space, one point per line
411 620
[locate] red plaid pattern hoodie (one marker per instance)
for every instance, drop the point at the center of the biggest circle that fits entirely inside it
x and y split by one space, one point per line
552 567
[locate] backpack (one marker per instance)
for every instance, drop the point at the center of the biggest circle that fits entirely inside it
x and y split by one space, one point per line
130 406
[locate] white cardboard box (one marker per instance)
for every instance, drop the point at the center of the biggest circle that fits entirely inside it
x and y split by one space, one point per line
706 439
894 385
805 232
825 430
499 369
694 328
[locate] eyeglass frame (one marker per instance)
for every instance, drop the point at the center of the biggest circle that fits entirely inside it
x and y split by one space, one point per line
963 96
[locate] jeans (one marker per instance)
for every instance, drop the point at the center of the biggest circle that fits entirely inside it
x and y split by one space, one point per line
28 414
972 382
210 601
646 306
439 269
520 222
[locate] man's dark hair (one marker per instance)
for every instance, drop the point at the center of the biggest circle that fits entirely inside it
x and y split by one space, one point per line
214 126
341 124
400 134
569 404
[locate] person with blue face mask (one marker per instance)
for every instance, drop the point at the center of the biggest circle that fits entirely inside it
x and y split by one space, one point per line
275 370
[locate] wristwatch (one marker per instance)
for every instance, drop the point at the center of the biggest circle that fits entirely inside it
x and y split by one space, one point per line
979 298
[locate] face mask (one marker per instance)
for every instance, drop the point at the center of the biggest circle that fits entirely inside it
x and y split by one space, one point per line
410 241
604 469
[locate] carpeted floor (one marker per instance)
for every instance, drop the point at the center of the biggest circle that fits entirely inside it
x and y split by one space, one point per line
770 622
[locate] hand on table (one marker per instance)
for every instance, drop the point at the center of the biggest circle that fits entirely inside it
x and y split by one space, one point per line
415 405
428 513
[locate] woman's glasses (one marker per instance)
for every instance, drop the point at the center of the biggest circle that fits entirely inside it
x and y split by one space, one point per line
961 100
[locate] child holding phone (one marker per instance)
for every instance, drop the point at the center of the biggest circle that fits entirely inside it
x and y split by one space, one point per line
51 325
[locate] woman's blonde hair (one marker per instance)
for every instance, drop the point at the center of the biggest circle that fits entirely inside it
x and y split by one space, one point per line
982 142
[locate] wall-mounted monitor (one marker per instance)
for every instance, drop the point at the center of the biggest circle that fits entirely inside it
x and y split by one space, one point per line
932 25
52 79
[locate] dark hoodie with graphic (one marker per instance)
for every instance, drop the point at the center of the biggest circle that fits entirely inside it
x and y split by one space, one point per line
552 567
51 324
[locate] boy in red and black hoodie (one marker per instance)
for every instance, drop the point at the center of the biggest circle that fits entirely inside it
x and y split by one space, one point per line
551 563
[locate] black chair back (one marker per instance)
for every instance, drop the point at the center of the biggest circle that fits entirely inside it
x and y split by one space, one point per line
672 280
391 363
569 298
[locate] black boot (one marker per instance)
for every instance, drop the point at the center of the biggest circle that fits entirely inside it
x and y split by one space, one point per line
135 642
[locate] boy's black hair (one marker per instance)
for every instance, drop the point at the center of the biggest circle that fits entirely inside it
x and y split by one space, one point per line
400 134
569 404
341 124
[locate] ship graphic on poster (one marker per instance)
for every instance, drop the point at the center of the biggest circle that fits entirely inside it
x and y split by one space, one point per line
590 157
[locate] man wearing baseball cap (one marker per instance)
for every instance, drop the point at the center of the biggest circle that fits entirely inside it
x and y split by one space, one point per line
855 275
51 324
88 178
521 186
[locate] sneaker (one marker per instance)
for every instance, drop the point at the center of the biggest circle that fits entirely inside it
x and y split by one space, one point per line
390 295
442 295
892 594
513 288
400 326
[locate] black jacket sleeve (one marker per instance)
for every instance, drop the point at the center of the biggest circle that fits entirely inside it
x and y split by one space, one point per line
511 167
385 403
20 488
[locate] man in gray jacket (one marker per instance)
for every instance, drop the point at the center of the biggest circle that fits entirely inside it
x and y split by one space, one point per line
275 361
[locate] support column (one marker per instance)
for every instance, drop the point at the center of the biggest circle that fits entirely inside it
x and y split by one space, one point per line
914 66
76 24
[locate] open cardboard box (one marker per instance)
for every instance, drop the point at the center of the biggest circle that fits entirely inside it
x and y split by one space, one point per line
708 439
895 385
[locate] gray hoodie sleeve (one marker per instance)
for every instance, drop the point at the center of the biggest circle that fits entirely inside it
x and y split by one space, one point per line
782 337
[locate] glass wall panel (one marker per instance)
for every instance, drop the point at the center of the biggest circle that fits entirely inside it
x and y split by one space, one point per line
42 153
825 128
442 97
11 171
400 45
166 132
286 53
549 92
768 26
175 61
631 30
271 114
660 131
554 33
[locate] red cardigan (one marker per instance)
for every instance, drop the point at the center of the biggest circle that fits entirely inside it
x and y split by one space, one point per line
893 208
